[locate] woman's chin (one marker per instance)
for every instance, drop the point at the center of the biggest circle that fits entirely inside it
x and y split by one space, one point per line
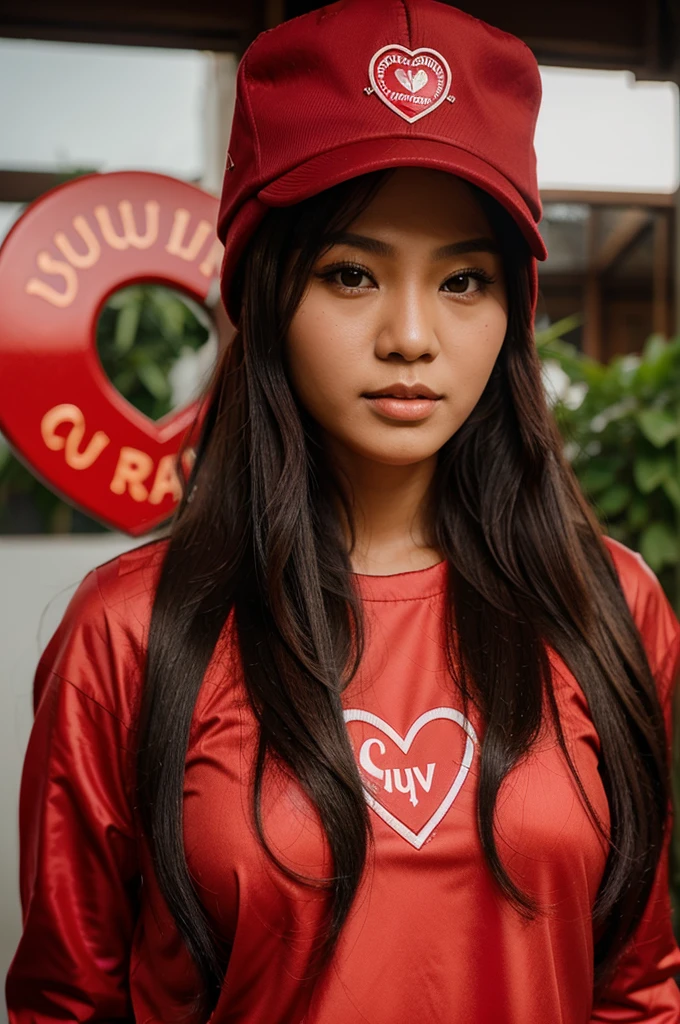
394 454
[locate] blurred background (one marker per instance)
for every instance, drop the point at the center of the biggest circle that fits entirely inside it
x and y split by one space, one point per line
121 86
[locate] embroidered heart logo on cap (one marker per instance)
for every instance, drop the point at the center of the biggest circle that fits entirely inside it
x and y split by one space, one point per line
411 782
412 83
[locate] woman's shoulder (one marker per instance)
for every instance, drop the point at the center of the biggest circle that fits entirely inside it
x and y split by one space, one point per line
651 610
641 587
119 594
126 584
99 646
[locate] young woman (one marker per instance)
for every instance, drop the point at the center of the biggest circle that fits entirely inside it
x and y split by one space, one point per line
380 732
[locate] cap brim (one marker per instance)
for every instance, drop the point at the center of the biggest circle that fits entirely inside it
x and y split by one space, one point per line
355 158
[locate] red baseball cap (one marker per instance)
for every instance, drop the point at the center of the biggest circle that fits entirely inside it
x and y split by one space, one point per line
363 85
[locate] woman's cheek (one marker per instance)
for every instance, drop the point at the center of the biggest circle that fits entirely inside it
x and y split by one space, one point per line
322 364
317 389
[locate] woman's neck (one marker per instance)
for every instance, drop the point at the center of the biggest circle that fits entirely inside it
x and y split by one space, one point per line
389 506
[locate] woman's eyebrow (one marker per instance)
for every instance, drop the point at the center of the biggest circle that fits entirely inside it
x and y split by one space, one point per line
461 248
378 248
372 245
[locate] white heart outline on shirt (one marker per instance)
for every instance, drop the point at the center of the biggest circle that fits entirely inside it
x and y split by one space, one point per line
416 839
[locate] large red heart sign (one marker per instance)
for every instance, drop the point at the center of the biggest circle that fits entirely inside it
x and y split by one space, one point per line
64 257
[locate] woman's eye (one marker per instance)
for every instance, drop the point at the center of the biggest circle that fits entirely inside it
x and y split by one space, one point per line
350 277
347 278
460 284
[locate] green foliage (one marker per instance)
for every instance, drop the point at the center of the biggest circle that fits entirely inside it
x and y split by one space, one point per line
621 425
142 332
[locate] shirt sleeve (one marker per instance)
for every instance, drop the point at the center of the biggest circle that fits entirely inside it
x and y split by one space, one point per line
643 988
78 854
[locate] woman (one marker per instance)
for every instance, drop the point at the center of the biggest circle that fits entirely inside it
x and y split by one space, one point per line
380 732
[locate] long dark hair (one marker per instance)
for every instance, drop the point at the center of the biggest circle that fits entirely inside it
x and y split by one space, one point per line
257 535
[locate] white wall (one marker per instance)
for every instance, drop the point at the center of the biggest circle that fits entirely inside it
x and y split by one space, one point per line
37 578
604 130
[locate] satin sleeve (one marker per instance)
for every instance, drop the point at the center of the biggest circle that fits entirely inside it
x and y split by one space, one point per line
643 988
79 874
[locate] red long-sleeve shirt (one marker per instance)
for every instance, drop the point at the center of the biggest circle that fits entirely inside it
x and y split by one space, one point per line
429 937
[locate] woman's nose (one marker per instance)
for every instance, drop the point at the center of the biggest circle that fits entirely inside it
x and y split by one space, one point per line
407 326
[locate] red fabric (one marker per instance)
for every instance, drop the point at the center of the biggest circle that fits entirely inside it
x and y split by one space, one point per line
311 111
428 939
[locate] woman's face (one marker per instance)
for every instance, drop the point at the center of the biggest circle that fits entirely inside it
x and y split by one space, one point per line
411 295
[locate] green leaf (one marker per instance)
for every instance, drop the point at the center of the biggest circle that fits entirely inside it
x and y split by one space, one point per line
672 488
658 425
614 500
154 380
124 382
171 312
596 475
650 473
659 546
638 513
126 327
558 330
654 348
654 375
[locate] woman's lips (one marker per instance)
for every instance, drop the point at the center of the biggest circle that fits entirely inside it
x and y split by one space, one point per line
403 408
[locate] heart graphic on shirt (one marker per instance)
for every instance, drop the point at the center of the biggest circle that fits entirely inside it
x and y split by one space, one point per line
411 781
412 83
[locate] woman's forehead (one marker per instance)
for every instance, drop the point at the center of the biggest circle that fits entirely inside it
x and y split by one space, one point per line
424 201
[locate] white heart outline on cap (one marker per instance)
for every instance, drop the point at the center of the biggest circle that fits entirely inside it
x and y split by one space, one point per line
411 53
416 839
